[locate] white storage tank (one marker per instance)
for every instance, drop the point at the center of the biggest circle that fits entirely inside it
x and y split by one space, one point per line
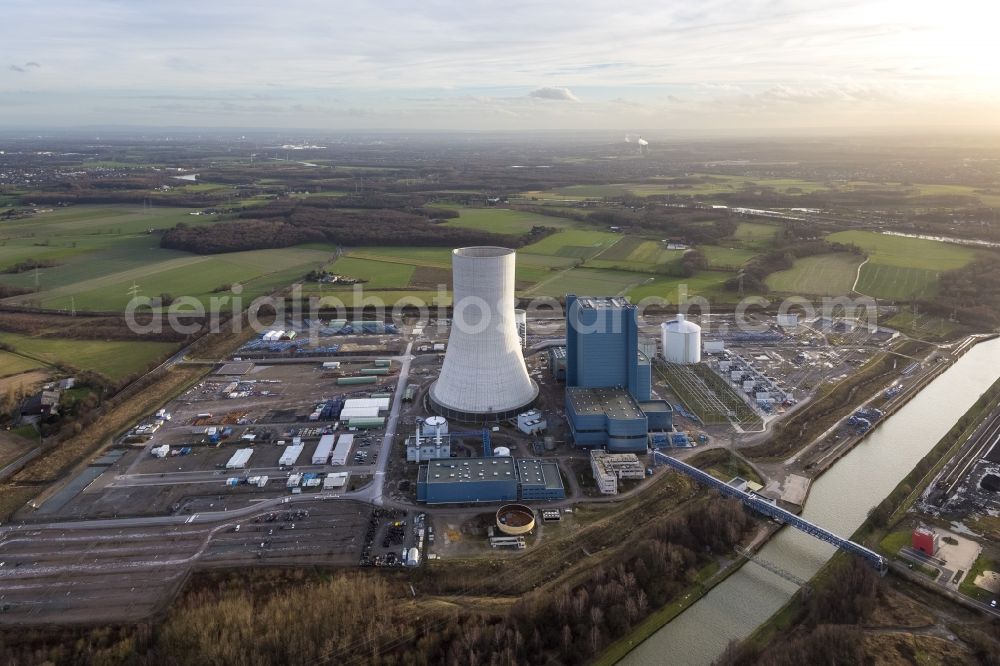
501 452
681 341
434 426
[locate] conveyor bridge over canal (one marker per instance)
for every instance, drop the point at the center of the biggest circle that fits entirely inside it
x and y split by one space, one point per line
764 506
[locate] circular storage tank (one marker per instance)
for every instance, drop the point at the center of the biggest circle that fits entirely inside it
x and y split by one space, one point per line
515 519
501 452
681 341
434 426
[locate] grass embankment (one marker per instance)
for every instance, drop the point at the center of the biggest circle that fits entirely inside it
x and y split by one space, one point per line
832 404
723 464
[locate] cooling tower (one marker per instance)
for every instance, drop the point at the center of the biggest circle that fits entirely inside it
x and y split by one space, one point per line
483 377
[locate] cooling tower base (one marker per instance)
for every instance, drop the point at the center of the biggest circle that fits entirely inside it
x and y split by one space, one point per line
465 416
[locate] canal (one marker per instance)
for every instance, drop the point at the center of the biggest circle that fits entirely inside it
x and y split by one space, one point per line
839 500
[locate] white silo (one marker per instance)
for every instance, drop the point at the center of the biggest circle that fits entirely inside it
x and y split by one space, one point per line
484 377
681 341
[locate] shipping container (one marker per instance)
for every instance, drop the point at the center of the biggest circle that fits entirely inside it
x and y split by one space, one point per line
354 381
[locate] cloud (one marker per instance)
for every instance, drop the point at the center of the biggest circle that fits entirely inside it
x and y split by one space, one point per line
557 94
24 69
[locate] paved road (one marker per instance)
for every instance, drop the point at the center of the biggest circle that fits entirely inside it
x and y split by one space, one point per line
375 489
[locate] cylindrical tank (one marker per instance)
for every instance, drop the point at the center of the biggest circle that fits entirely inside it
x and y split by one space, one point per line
434 426
483 377
515 519
501 452
550 443
681 341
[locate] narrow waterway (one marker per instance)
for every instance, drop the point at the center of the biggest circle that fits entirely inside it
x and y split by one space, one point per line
839 500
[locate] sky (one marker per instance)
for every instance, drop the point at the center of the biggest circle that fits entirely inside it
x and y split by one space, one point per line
712 65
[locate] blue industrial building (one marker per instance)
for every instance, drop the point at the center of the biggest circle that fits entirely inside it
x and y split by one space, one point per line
608 377
539 480
602 345
607 416
497 479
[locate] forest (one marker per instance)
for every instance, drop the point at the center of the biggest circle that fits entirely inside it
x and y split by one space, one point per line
351 228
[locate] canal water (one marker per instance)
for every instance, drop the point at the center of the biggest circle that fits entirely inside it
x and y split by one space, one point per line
839 500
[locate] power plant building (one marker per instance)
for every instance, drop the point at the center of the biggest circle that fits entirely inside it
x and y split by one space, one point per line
602 345
496 479
606 417
483 377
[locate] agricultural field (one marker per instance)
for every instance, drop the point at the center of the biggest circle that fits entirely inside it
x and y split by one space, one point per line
701 185
15 364
502 220
726 257
706 284
821 275
199 276
901 268
102 252
113 359
588 281
632 253
755 233
574 244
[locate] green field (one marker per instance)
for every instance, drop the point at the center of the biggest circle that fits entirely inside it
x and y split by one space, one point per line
503 220
102 251
901 268
635 253
822 275
14 364
708 284
906 252
588 281
755 232
574 244
699 185
726 257
112 359
198 276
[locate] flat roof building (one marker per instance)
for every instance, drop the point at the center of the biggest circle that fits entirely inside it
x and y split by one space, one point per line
539 480
606 417
609 467
499 479
461 480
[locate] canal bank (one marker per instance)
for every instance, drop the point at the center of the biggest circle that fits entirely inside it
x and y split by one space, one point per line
840 501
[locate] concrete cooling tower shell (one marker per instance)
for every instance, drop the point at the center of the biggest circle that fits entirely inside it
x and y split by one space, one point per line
483 377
